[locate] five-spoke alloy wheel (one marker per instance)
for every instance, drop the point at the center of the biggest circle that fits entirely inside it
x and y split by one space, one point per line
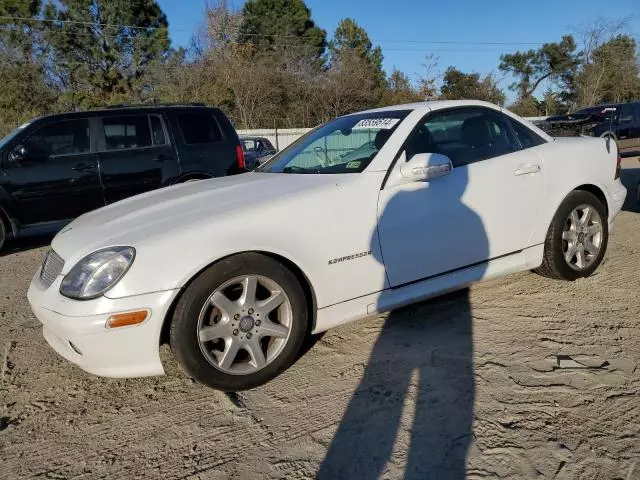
240 322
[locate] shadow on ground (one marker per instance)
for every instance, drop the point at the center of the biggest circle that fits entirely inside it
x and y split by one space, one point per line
630 178
23 244
417 389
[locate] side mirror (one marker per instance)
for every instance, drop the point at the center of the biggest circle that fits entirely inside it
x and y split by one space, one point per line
423 167
18 154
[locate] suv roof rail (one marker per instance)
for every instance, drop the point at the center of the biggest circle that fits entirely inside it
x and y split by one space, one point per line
150 105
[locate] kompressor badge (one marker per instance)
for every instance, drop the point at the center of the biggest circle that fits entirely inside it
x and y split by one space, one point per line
349 257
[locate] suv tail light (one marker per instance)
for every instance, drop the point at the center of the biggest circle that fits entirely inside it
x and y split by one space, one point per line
618 165
240 157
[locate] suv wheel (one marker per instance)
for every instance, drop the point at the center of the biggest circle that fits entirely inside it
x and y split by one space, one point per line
577 238
3 233
240 323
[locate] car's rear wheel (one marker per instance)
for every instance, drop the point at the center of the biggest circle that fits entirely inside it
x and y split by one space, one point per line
577 238
240 323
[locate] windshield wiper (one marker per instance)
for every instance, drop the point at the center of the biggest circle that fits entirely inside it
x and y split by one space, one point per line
293 169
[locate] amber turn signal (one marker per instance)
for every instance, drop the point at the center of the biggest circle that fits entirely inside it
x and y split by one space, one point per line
127 319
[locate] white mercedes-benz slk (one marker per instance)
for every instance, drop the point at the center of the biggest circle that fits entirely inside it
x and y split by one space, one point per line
366 213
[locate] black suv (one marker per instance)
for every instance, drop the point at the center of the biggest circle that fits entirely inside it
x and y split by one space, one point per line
619 121
54 168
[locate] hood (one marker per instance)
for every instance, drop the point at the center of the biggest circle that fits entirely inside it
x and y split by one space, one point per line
143 217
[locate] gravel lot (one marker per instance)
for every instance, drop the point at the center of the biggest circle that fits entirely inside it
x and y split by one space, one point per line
531 378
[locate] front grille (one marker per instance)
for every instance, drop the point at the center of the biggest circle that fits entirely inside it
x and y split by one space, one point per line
51 268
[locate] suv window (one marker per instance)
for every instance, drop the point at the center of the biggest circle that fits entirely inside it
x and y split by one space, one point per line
68 137
157 131
526 137
131 131
626 113
464 135
199 128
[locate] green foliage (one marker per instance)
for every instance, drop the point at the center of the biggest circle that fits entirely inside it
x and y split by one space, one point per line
400 90
612 75
267 64
98 59
554 61
26 90
351 39
458 85
269 23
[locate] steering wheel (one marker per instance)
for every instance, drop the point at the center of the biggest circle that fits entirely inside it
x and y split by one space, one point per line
322 155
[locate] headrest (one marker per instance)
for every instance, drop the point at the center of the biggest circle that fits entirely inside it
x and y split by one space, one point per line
381 138
475 132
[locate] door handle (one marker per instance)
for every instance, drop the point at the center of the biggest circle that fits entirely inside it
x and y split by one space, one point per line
84 167
527 169
160 158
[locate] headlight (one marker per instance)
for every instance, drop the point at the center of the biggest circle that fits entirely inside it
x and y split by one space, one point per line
96 273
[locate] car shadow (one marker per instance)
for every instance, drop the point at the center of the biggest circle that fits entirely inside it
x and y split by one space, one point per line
17 245
417 390
630 177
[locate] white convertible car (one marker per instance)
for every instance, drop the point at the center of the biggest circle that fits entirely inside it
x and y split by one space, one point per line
366 213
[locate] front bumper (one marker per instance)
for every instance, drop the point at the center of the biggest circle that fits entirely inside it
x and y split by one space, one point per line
77 330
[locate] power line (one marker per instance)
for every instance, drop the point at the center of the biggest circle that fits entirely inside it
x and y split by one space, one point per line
263 35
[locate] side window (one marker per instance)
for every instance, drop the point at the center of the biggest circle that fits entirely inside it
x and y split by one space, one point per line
64 138
464 135
248 145
157 131
626 113
199 128
526 137
131 131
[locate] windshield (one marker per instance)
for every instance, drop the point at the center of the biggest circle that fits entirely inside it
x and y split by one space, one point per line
344 145
11 134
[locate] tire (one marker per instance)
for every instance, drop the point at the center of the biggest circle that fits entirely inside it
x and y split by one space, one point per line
189 180
3 233
566 232
212 320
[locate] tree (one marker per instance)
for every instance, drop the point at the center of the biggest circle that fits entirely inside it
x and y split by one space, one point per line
610 74
553 61
281 23
101 50
348 86
400 90
351 39
458 85
26 91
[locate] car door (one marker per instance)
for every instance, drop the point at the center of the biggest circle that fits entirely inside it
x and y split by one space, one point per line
485 208
203 145
626 127
135 155
635 129
56 176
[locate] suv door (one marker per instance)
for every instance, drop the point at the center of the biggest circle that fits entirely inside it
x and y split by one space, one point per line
635 129
135 155
485 208
57 178
627 127
203 145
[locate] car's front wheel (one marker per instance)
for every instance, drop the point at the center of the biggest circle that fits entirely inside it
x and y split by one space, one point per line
240 323
577 238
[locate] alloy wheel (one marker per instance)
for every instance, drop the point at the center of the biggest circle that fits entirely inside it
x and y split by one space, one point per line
245 324
582 237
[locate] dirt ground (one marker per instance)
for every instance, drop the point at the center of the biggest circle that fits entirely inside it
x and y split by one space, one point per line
521 377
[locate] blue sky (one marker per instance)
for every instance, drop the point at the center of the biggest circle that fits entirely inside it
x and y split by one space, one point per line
404 28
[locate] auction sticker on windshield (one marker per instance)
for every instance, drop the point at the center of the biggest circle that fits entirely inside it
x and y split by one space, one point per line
376 123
